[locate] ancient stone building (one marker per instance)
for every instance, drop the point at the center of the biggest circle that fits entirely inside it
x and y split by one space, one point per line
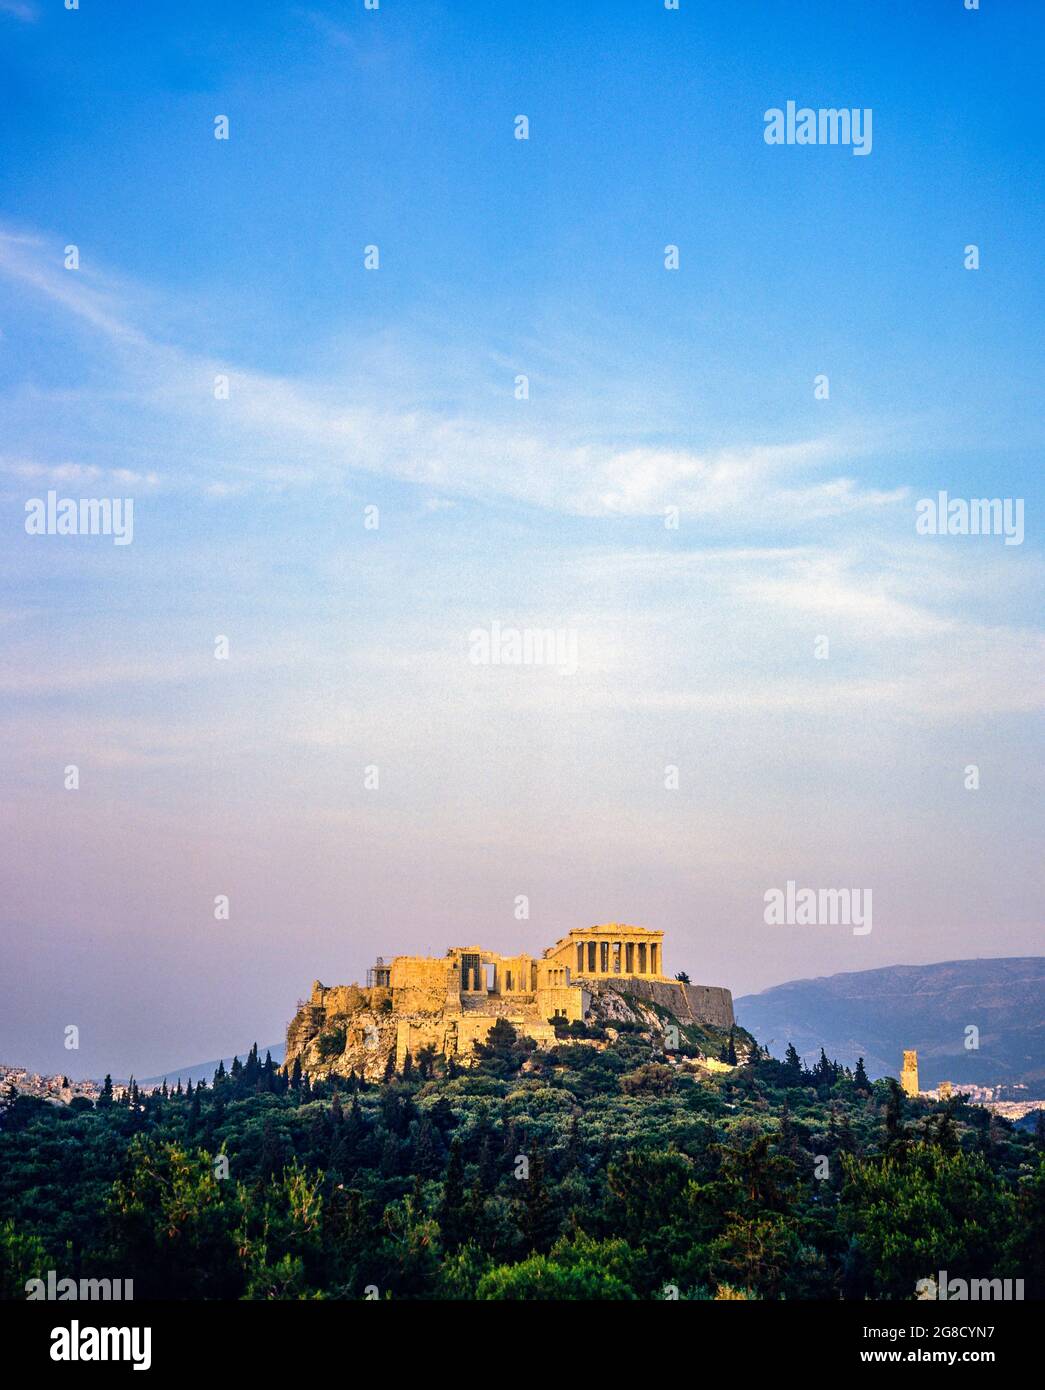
450 1002
909 1074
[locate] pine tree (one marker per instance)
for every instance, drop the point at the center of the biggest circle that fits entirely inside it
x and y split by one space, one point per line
427 1159
450 1213
537 1219
105 1098
824 1071
390 1157
788 1143
860 1077
571 1155
793 1062
946 1130
895 1139
487 1175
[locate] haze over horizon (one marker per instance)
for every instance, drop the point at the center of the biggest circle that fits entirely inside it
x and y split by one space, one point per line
395 388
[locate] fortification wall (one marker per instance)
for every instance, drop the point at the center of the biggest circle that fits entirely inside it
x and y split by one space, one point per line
456 1034
568 1000
710 1004
419 983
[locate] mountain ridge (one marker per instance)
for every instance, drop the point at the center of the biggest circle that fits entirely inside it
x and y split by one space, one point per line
878 1013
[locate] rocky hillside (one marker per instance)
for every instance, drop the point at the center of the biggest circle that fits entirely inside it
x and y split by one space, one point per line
361 1037
877 1013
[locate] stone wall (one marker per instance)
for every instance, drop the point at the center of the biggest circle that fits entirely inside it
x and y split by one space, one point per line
710 1004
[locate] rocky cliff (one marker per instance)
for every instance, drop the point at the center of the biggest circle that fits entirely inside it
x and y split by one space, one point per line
345 1028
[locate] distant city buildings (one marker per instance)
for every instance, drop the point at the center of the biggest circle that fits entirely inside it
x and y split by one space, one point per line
1013 1100
18 1081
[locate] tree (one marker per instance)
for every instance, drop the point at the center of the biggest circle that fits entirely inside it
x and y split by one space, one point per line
895 1138
541 1278
487 1174
428 1149
172 1224
538 1220
793 1063
22 1257
450 1212
825 1073
860 1077
928 1211
682 978
504 1051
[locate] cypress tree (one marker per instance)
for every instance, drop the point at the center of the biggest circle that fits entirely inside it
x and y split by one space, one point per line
450 1213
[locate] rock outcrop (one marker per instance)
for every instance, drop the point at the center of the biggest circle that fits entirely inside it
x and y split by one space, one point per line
347 1028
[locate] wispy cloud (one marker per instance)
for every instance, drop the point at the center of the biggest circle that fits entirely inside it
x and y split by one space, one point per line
20 9
275 431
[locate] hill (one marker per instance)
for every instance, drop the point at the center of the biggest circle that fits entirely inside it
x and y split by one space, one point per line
204 1071
607 1167
877 1013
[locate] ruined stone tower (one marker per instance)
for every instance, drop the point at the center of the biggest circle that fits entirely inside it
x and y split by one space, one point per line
909 1075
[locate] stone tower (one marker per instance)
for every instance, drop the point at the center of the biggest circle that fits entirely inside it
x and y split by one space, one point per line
909 1075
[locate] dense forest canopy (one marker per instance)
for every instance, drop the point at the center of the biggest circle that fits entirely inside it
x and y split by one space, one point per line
576 1172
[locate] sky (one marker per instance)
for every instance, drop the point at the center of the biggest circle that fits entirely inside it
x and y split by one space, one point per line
696 647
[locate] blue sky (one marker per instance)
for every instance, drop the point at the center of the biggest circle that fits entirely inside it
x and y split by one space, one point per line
395 389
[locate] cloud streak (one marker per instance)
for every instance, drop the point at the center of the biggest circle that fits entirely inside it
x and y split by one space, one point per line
278 432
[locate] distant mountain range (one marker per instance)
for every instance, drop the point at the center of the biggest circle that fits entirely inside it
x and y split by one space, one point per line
204 1071
875 1014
